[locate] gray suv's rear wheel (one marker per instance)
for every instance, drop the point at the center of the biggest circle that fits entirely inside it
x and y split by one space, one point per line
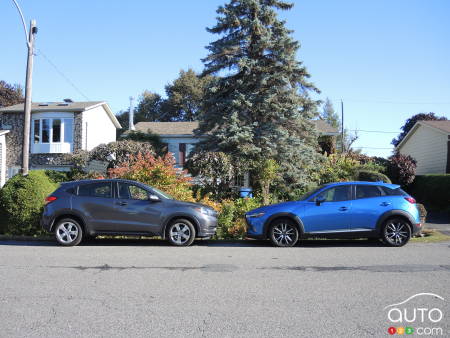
68 232
181 232
283 233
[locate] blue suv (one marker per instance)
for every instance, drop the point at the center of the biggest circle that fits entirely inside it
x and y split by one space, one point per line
340 210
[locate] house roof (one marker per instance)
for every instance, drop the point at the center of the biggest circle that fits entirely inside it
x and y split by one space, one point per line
3 132
168 128
324 127
441 126
187 128
41 107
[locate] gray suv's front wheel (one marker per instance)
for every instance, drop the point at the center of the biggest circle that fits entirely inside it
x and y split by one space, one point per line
181 232
68 232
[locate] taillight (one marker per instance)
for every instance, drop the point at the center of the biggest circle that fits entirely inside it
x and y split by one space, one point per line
410 200
50 199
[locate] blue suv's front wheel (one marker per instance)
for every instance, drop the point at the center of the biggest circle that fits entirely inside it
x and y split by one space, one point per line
283 232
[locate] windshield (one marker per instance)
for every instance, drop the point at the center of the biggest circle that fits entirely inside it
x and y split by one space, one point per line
309 194
163 194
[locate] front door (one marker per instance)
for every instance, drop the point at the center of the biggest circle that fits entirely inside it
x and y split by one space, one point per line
332 214
134 212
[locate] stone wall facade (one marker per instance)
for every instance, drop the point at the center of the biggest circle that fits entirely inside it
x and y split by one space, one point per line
14 139
78 132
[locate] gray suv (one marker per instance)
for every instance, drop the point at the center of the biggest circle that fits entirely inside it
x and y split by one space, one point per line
120 207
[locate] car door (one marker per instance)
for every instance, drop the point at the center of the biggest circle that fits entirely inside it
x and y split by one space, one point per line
135 212
95 201
370 202
329 211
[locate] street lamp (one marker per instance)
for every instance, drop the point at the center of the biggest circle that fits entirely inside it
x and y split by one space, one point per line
29 36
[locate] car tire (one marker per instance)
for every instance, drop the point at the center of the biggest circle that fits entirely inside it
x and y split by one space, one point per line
396 232
181 232
68 232
283 233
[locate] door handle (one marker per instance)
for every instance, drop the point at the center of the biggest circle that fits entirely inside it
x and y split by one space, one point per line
343 209
385 204
122 203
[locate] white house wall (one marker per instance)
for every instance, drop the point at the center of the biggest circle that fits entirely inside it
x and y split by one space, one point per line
429 148
2 160
97 128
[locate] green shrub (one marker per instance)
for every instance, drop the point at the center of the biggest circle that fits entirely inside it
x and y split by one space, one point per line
22 200
371 176
432 190
57 176
231 220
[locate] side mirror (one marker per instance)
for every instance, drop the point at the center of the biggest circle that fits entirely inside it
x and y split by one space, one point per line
154 198
319 201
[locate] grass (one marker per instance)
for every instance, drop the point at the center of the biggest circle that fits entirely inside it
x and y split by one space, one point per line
431 236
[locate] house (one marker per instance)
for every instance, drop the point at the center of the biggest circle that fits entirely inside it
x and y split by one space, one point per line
180 139
57 128
3 156
428 142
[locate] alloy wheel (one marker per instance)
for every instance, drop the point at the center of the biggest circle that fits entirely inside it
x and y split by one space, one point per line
397 233
67 232
180 233
284 234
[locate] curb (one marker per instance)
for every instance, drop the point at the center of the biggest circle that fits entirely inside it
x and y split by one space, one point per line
24 238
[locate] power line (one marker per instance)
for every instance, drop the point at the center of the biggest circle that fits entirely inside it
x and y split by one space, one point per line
375 131
62 74
371 148
393 102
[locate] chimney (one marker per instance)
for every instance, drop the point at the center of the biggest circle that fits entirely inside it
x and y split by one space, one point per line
131 115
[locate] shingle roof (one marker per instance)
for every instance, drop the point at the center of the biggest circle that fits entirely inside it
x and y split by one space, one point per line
441 125
187 128
167 128
53 106
41 107
324 127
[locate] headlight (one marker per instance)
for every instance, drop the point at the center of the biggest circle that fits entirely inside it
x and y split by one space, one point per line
256 215
206 211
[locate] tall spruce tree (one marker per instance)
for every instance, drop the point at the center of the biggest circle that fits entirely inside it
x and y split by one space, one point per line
258 106
330 115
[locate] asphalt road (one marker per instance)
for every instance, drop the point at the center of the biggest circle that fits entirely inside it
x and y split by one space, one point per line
129 288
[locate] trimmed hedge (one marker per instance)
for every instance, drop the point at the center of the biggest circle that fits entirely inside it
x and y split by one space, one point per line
371 176
22 201
432 190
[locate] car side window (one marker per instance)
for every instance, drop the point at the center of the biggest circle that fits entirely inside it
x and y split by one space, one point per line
100 189
368 191
336 194
132 192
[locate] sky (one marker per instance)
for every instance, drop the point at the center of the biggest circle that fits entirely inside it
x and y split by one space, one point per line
386 60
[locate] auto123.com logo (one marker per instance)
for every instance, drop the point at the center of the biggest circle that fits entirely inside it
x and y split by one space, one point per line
420 314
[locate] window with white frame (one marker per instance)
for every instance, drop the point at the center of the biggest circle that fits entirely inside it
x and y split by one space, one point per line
52 135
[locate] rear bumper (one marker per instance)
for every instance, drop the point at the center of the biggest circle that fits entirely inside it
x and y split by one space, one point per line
47 221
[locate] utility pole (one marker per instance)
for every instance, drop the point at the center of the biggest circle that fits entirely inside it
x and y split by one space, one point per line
27 107
342 127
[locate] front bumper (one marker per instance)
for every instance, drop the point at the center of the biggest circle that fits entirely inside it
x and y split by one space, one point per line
207 226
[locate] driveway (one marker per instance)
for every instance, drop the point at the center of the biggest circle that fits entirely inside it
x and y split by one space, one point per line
149 289
438 221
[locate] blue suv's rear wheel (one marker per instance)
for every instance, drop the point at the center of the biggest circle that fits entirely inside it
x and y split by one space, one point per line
396 232
283 232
